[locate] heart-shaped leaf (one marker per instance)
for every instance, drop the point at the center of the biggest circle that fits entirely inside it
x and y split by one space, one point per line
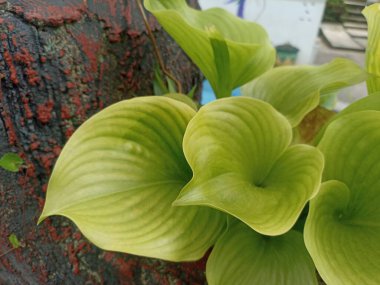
342 231
239 151
295 90
118 175
229 51
242 256
372 14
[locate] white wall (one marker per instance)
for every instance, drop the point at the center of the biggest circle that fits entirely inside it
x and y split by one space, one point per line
286 21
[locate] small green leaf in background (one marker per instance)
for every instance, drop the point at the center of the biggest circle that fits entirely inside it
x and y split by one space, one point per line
342 231
11 162
242 256
228 50
192 92
248 168
119 174
296 90
372 14
159 86
162 86
14 241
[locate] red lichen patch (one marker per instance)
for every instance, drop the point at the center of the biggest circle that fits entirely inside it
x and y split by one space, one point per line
44 187
44 111
115 14
65 112
26 59
10 129
34 145
91 45
62 11
108 256
47 161
70 85
69 132
27 109
74 249
43 59
11 132
125 266
9 62
57 150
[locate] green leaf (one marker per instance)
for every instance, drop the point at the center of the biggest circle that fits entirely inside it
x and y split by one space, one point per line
248 169
14 241
159 86
242 256
171 85
11 162
219 43
363 104
372 14
295 90
183 98
342 231
192 92
118 175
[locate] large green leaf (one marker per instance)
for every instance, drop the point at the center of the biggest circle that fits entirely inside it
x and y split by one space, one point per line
229 51
296 90
372 14
118 176
238 148
342 232
242 256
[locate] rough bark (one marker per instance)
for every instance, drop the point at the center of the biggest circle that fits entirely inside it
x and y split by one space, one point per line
60 62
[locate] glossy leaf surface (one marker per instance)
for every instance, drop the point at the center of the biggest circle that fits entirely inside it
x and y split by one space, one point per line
118 175
242 256
295 90
229 51
248 169
342 231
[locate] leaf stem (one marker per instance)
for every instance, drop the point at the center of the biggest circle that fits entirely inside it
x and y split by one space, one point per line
156 49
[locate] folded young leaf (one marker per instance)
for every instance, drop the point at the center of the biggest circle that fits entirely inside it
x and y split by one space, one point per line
295 90
342 231
118 175
238 149
372 14
229 51
242 256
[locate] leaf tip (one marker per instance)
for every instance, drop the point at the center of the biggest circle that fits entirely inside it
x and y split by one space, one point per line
44 215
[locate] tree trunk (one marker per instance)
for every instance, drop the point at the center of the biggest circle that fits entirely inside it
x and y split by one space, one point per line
60 62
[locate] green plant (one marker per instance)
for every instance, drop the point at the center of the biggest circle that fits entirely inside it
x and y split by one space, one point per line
154 176
11 162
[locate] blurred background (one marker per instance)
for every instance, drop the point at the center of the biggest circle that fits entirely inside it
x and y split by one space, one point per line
310 32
